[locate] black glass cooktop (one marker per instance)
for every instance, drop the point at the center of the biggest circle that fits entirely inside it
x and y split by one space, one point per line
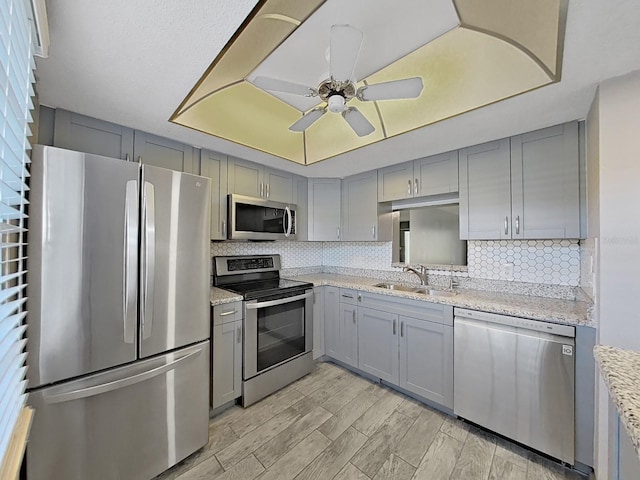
267 288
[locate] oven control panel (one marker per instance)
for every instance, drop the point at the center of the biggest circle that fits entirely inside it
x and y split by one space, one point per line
243 264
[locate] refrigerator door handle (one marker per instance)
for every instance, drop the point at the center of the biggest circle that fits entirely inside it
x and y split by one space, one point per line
130 260
149 253
121 383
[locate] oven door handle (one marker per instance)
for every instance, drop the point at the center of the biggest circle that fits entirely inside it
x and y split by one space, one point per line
273 303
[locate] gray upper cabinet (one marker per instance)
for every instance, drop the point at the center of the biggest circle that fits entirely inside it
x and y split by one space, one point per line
85 134
324 209
360 208
162 152
214 166
485 191
301 201
545 189
434 175
255 180
526 187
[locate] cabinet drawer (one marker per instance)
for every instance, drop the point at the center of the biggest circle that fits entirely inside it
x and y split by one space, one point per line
227 312
349 296
419 309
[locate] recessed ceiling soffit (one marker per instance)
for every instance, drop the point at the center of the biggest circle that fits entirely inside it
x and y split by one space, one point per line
452 57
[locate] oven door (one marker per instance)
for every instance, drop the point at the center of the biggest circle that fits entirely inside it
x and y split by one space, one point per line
276 330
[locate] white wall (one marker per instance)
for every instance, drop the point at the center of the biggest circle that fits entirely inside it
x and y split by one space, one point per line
614 186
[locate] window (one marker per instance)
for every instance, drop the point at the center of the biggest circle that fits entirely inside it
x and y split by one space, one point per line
16 90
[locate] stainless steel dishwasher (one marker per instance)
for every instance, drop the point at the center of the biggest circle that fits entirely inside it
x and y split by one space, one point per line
515 376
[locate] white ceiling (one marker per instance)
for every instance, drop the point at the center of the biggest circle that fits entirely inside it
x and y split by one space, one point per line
132 63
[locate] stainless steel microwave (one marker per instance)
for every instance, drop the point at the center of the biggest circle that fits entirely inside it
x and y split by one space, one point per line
259 219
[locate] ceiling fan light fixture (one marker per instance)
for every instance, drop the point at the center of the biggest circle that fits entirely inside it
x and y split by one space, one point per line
336 103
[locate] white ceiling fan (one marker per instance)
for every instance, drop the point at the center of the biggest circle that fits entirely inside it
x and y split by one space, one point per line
344 48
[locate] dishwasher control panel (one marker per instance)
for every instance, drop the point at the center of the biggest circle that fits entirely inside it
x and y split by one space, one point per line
537 325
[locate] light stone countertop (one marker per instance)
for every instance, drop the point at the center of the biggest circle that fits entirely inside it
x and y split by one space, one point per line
538 308
219 296
620 370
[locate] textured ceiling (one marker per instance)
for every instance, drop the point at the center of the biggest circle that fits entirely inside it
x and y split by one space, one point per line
132 62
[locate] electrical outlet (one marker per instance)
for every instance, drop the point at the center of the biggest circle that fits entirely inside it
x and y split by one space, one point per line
507 271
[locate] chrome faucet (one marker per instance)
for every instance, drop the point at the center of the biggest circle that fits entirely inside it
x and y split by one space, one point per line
422 274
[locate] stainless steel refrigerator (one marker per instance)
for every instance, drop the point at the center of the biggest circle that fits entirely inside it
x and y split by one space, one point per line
118 323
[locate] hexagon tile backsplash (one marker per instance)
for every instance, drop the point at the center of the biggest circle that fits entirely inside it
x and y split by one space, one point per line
551 262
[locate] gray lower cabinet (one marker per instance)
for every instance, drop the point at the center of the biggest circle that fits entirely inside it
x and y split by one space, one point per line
378 344
86 134
318 322
426 359
332 322
214 166
623 458
226 355
525 187
324 209
406 342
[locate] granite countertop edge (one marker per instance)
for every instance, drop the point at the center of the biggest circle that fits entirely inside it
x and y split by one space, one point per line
620 371
566 312
218 296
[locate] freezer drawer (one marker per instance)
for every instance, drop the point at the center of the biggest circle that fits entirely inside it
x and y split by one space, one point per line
516 379
133 422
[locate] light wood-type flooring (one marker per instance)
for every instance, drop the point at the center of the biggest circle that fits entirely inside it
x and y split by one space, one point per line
333 424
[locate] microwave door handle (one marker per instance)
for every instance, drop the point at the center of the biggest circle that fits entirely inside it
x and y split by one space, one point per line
282 301
287 215
149 237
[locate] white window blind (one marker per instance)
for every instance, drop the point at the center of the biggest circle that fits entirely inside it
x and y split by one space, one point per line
16 91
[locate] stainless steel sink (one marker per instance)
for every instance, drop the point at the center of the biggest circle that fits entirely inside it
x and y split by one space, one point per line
395 286
422 290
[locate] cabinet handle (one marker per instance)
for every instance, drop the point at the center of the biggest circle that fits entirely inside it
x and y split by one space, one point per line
394 327
415 188
506 225
354 317
239 335
228 312
373 232
261 189
359 297
268 185
347 296
338 233
224 229
402 328
409 188
518 225
126 158
140 159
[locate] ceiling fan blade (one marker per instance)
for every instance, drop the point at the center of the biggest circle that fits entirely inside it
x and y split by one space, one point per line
358 121
396 89
277 85
307 120
344 47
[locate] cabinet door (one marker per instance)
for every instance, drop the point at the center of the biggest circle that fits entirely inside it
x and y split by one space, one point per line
164 153
426 359
378 343
90 135
545 183
324 209
485 191
360 207
227 360
278 185
395 182
436 174
301 200
318 322
348 334
214 166
332 322
245 178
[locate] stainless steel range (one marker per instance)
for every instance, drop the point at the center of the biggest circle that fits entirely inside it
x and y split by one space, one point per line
278 322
